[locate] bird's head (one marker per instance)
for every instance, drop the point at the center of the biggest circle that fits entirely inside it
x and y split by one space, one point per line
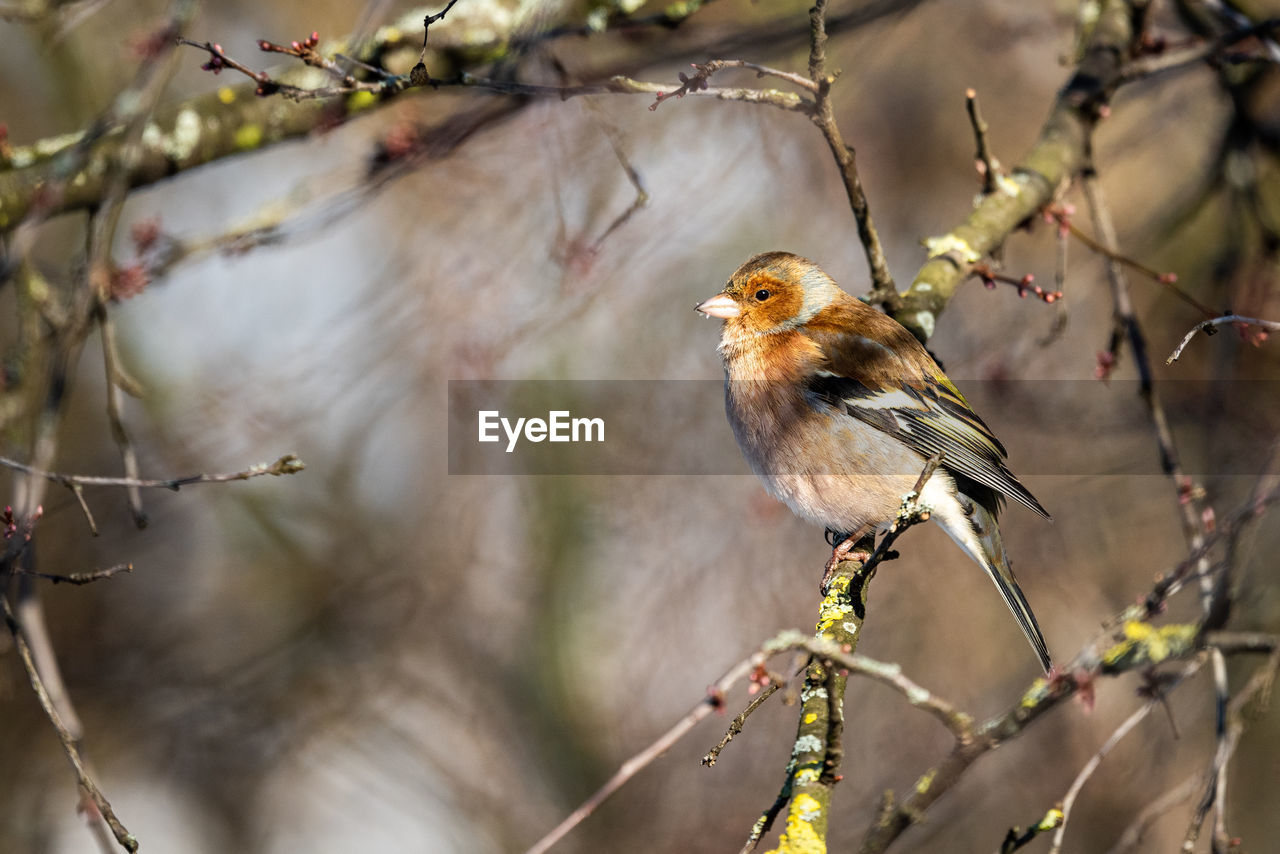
772 292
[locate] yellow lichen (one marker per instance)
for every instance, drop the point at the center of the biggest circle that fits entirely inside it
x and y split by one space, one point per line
923 784
361 101
1153 644
835 607
1053 818
248 137
810 718
800 836
1034 693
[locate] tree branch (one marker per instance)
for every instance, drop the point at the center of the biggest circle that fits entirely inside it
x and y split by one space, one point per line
288 464
1057 157
70 743
1210 327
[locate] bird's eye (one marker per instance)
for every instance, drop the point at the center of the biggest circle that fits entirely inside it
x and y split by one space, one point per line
762 295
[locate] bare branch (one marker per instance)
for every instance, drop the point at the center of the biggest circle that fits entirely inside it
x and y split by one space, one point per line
1162 62
115 415
988 166
1168 281
736 725
288 464
78 491
883 288
1209 327
79 578
703 71
69 741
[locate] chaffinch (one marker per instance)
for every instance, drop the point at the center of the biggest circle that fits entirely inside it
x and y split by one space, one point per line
837 407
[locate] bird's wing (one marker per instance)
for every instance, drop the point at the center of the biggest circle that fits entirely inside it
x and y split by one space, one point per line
912 401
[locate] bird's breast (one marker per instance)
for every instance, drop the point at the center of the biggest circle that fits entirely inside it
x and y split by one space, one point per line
826 466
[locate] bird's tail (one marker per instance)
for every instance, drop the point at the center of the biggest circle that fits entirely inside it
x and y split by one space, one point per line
980 537
996 563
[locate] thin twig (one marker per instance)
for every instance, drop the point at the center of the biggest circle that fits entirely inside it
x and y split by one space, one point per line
736 725
628 770
912 512
1232 643
1159 63
288 464
1025 285
1099 247
1222 697
702 72
619 85
988 166
115 416
770 815
1209 327
883 290
426 28
69 741
1060 315
79 578
641 199
1017 838
78 491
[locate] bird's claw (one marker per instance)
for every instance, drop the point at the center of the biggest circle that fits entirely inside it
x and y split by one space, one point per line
843 551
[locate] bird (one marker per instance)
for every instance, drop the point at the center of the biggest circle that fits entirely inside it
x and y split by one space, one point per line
837 407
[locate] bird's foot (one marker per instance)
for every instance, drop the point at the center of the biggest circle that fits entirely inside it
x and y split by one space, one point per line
844 550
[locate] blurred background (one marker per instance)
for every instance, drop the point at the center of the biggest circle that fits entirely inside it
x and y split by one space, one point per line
376 652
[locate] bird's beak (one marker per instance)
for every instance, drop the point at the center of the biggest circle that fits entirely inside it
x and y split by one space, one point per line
720 305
